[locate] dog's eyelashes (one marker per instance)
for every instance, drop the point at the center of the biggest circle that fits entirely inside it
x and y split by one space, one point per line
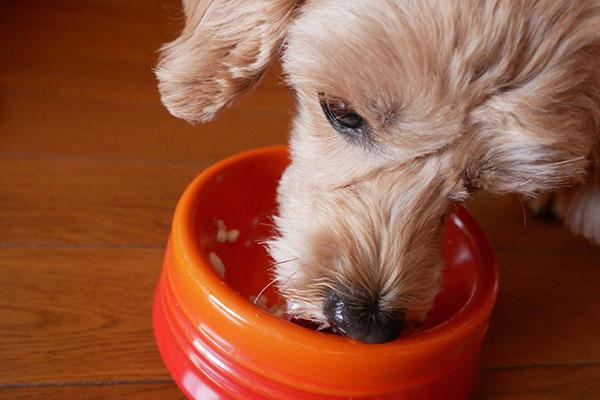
344 119
340 114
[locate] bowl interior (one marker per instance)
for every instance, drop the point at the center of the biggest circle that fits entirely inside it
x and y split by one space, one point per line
242 194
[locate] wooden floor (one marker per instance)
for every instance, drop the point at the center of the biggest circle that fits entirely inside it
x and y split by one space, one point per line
91 166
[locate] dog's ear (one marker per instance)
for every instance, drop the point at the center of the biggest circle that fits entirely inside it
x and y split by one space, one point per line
222 52
542 131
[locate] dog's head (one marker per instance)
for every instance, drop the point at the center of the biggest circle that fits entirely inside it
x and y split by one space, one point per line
404 108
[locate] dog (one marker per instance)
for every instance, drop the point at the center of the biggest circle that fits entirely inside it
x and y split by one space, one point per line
404 108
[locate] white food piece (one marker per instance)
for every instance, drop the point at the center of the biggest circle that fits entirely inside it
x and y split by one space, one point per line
221 236
224 235
221 231
217 264
277 310
232 235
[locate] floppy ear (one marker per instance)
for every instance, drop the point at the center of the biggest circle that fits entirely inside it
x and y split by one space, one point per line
222 52
542 131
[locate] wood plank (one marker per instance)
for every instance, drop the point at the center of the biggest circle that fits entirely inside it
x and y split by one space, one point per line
542 383
147 391
548 310
98 128
72 315
86 202
58 202
537 383
94 93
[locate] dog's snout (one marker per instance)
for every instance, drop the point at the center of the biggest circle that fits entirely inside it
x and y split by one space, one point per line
363 320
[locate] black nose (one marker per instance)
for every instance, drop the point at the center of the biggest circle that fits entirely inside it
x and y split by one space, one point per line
362 318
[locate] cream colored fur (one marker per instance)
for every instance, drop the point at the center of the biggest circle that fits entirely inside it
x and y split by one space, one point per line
502 95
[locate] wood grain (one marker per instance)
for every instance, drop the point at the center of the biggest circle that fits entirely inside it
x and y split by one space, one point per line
130 391
99 97
109 130
548 310
61 202
550 383
72 315
542 383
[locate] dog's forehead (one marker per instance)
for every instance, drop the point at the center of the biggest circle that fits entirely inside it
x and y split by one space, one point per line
334 47
364 48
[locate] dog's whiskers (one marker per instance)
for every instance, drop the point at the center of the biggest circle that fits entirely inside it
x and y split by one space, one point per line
268 285
264 289
276 263
284 261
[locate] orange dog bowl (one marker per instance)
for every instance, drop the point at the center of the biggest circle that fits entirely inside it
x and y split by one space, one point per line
217 345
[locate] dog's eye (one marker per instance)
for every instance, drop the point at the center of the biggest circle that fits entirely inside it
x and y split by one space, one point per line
343 118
